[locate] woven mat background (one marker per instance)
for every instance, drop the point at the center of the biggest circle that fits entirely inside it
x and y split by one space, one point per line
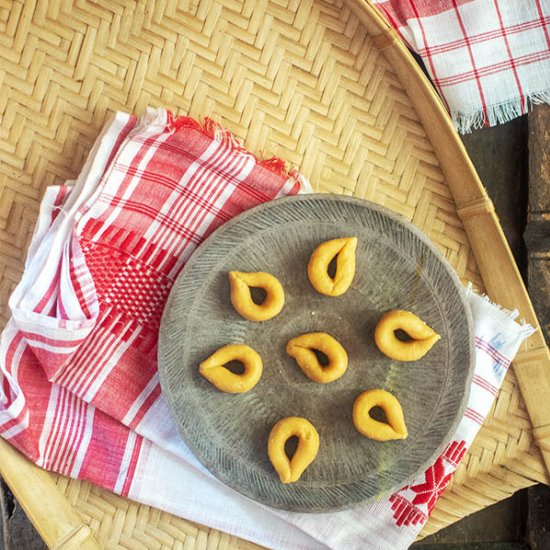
296 78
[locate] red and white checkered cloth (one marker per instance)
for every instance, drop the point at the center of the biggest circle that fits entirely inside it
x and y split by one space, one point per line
79 388
488 59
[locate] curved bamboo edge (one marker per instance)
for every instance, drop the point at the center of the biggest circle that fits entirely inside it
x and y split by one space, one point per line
58 524
490 248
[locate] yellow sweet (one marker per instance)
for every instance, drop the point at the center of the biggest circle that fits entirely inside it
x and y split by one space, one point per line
214 371
422 336
242 301
301 348
290 470
317 267
395 428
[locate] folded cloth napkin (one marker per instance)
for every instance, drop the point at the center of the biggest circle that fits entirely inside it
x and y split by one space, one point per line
488 59
79 388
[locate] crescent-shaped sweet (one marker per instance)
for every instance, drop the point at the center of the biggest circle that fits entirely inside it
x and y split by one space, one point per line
422 336
395 428
302 349
317 267
241 298
214 371
290 470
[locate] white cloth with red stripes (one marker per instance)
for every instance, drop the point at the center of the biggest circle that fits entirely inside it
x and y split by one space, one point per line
488 59
79 389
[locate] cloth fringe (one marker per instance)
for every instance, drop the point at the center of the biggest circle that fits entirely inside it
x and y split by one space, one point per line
214 130
526 329
498 114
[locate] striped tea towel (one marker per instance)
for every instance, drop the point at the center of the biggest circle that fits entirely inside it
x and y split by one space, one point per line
79 388
488 59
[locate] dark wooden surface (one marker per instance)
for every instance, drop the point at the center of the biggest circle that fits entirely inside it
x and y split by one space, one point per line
16 531
513 161
537 240
537 233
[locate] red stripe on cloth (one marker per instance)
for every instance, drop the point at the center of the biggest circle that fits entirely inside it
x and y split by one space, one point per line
219 164
405 512
34 337
57 433
89 355
109 234
205 181
127 379
473 415
434 75
7 391
128 127
195 216
106 359
402 11
80 279
157 256
50 292
32 383
12 423
18 372
486 36
61 311
214 131
144 409
152 213
490 350
496 68
295 188
126 383
174 166
137 287
132 466
509 51
131 246
482 383
472 61
52 312
241 200
52 361
66 459
73 422
79 441
58 202
105 452
148 146
212 163
11 351
543 21
171 184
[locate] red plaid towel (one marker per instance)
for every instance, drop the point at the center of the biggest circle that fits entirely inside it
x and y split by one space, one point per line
79 389
488 59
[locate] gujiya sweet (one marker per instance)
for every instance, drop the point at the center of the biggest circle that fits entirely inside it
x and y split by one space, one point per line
241 297
317 267
214 370
302 349
395 428
422 336
290 470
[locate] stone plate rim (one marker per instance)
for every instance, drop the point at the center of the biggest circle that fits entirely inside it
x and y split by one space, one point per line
408 226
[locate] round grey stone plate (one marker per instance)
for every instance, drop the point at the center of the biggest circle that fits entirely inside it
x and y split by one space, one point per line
396 267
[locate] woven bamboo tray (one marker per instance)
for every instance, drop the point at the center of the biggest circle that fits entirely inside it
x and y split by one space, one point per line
325 85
